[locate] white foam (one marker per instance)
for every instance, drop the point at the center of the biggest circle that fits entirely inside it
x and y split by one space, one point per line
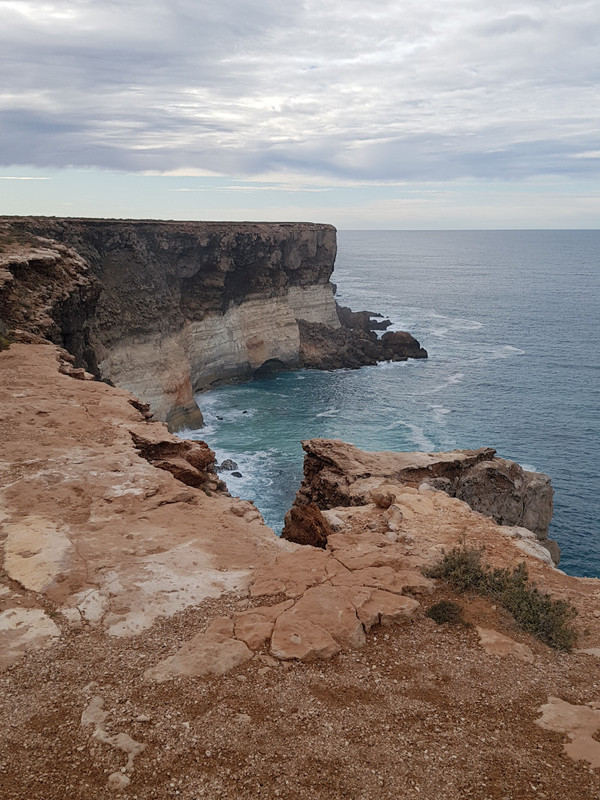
507 350
418 437
439 413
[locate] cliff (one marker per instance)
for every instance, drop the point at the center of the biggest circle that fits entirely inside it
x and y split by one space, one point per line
181 305
339 474
156 637
165 309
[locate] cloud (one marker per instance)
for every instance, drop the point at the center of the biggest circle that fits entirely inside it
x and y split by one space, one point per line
22 178
353 91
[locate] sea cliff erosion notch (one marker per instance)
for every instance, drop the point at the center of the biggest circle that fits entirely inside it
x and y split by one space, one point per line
175 307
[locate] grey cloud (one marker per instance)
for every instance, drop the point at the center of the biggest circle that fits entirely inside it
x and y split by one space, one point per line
354 90
510 24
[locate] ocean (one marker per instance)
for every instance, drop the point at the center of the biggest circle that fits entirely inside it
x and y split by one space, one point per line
512 326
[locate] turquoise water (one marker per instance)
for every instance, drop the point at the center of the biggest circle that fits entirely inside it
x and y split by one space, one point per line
510 320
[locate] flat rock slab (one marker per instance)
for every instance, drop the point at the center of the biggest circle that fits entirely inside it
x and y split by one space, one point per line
325 607
496 644
24 629
579 723
109 540
205 654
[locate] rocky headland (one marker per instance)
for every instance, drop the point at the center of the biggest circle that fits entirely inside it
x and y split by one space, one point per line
157 640
166 309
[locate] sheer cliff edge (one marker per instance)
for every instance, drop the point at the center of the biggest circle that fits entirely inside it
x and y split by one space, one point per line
166 309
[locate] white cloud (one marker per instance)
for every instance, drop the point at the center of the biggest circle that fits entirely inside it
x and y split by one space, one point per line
364 90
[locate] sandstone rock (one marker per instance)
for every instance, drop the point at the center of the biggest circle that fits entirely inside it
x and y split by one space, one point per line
255 626
302 640
204 654
497 644
105 537
320 623
383 496
579 723
254 630
222 626
306 525
386 608
190 462
373 577
24 629
292 573
337 474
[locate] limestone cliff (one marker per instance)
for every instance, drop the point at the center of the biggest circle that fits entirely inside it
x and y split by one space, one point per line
165 309
184 304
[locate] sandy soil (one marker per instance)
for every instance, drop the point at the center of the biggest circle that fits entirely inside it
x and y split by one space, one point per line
420 712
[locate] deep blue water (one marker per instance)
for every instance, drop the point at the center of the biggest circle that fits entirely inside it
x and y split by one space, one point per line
511 323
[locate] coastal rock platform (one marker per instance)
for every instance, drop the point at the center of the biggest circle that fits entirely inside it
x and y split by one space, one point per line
158 640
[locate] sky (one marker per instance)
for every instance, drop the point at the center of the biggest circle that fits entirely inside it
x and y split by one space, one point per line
432 114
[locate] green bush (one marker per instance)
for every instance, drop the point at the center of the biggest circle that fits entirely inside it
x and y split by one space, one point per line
535 611
446 611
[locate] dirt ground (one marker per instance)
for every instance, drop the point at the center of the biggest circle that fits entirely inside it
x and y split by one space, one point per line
420 712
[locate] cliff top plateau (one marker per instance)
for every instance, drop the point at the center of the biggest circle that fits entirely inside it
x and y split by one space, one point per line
157 640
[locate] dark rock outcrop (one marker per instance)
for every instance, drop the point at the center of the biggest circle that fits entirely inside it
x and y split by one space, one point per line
361 320
47 290
322 347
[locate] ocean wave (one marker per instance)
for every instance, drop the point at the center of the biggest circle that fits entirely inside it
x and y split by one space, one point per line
451 380
418 437
332 412
439 413
255 468
506 351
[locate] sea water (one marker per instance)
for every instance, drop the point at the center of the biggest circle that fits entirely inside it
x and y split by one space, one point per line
511 323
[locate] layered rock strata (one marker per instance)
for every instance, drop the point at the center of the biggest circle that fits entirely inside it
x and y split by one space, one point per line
182 305
339 474
166 309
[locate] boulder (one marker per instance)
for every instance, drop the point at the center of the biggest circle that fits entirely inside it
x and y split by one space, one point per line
306 525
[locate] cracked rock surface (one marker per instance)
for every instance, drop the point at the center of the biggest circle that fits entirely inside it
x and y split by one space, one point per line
158 641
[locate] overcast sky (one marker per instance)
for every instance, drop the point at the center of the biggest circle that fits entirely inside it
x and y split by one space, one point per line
436 113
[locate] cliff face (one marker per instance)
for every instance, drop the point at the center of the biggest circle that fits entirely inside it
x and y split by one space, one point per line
184 304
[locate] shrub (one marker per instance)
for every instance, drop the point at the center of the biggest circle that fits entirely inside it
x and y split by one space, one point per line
535 611
446 611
